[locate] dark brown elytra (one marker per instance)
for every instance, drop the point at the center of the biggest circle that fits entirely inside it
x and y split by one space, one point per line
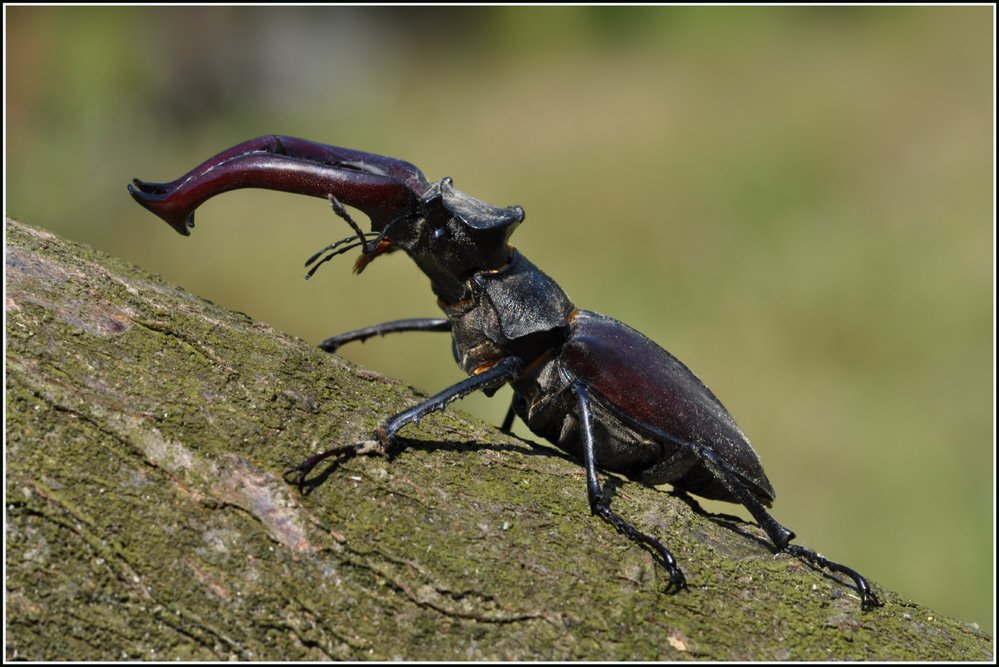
587 383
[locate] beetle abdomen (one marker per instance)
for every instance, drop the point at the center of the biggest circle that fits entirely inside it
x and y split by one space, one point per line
651 391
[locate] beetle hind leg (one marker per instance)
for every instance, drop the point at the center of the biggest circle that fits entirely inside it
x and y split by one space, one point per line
676 579
778 534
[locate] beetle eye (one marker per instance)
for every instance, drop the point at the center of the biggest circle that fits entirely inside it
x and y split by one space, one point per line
438 237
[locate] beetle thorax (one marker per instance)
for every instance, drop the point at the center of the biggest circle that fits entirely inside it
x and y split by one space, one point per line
515 311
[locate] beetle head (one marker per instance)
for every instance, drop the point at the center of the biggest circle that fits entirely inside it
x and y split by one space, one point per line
459 237
451 236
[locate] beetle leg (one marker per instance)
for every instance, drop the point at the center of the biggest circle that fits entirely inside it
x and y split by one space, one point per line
595 494
396 326
511 413
868 598
384 441
503 371
778 534
673 467
518 408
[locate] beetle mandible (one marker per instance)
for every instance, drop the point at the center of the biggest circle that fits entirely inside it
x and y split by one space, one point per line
594 387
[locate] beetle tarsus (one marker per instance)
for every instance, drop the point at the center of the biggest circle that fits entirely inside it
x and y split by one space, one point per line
868 598
302 470
778 534
676 579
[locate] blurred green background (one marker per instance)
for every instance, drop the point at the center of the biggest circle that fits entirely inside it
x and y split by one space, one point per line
796 202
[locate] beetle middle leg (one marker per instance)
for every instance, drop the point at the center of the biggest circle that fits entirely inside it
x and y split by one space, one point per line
595 494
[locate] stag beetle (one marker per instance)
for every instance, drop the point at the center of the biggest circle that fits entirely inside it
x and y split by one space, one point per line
585 382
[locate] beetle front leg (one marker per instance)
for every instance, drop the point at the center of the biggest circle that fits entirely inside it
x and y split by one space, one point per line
595 494
384 440
778 534
397 326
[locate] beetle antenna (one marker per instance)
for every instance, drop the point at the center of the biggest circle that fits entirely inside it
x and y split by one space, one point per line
334 245
370 246
330 256
339 209
377 246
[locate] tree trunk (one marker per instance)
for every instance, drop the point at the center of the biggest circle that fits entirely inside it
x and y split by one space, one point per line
147 430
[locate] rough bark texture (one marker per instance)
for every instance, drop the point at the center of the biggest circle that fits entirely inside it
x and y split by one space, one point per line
147 430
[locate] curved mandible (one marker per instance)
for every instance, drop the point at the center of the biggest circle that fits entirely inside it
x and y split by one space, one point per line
383 188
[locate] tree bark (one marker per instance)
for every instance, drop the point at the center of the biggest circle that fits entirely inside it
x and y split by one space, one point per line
147 517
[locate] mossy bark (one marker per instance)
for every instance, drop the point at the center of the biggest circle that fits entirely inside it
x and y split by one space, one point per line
147 517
